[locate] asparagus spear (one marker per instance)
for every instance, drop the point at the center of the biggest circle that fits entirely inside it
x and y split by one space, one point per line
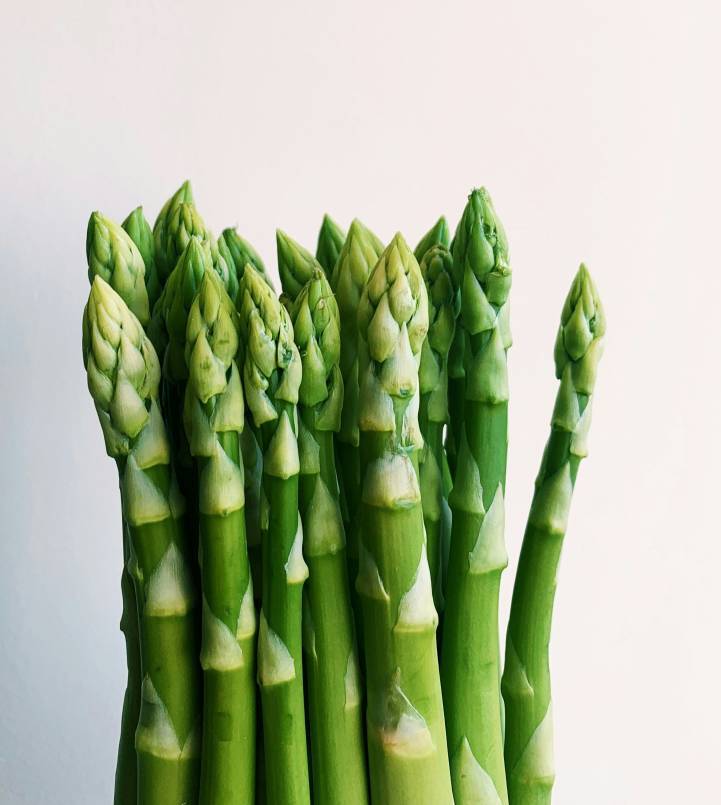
330 241
470 652
406 734
113 256
295 265
241 253
443 303
138 228
526 677
437 235
336 721
271 377
214 414
123 376
359 254
177 221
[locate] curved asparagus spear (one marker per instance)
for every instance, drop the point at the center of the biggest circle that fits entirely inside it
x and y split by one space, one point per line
242 253
526 676
470 667
214 414
406 735
437 235
138 228
336 720
330 241
359 254
113 256
295 264
271 377
123 375
443 302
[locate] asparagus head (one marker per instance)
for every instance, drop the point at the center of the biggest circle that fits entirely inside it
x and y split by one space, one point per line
330 241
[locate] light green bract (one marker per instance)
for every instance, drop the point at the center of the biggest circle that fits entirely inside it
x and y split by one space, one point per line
526 677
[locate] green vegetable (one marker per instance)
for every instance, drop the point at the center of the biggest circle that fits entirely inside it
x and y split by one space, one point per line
113 256
330 242
123 375
443 303
295 265
242 253
359 254
406 734
437 235
176 223
470 667
141 234
526 676
214 418
271 378
336 719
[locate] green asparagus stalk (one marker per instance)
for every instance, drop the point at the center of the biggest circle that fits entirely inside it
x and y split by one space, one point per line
406 734
330 242
271 377
177 221
470 667
242 253
359 254
214 418
443 304
437 235
138 228
113 256
336 720
123 376
295 265
526 677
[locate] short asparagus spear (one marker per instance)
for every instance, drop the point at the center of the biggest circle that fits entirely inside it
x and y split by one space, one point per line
271 377
123 376
359 254
112 256
330 241
214 415
295 265
470 667
443 301
437 235
526 676
406 734
137 226
336 719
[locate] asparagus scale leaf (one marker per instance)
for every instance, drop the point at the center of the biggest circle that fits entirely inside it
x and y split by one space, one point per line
526 675
123 376
271 377
406 733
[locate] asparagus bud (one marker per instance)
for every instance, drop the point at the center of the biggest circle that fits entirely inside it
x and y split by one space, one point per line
138 228
330 242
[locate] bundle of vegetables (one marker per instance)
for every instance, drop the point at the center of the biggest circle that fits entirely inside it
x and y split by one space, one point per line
312 492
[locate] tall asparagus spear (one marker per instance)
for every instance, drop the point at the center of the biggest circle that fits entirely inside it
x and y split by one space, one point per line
271 377
526 676
113 257
406 734
242 253
443 302
177 221
295 265
214 414
470 667
330 241
336 721
138 228
123 375
437 235
359 254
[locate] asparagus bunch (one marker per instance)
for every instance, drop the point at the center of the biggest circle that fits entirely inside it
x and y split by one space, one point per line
316 463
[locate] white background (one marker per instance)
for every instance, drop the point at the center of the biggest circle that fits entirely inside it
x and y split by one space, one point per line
596 127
